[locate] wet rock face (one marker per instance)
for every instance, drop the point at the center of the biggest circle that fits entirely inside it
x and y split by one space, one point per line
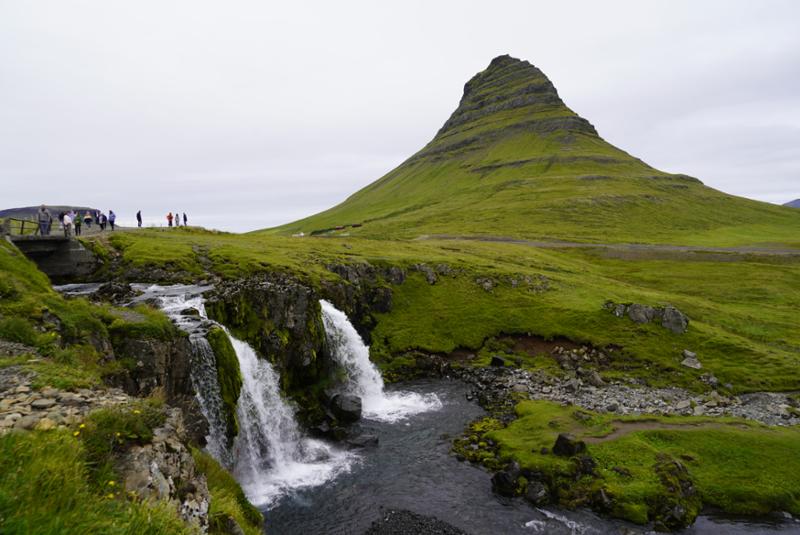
363 290
153 363
346 407
280 317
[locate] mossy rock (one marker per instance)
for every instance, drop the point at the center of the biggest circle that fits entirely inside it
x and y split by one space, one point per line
229 376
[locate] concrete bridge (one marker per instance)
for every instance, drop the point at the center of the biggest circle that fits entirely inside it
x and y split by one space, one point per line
59 257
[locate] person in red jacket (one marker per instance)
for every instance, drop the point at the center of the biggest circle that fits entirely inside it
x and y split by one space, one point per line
169 219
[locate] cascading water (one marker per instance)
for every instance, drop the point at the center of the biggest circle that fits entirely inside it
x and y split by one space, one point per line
363 378
270 456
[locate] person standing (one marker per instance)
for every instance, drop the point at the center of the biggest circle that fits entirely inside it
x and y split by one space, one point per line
102 219
177 219
139 218
112 218
184 219
77 222
67 222
169 219
45 218
87 218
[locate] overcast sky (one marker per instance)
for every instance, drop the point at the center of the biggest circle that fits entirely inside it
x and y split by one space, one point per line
252 114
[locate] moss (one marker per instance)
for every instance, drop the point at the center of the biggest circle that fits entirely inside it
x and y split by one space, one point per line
227 498
734 465
229 376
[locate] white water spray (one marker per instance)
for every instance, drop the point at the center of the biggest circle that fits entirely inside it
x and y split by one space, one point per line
363 378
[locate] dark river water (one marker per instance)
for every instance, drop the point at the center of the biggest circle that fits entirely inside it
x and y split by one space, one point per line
412 469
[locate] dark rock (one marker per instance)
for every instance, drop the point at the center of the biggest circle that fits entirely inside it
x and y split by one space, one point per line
190 312
537 493
504 482
363 441
402 522
567 446
602 501
346 407
584 465
497 361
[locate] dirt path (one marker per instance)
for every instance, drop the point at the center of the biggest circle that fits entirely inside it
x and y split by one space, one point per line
622 428
622 247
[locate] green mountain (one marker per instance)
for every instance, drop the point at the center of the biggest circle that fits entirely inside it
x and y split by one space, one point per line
513 160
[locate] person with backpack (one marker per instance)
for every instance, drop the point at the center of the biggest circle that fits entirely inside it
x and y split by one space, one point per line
184 219
87 218
139 218
112 218
76 223
45 219
102 220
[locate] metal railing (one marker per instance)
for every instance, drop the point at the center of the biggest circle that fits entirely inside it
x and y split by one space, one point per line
20 227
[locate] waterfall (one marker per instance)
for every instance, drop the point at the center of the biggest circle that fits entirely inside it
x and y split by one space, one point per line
363 378
270 456
207 392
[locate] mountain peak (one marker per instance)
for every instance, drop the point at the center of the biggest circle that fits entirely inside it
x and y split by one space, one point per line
793 204
513 92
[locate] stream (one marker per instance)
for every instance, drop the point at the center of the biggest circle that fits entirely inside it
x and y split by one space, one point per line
308 487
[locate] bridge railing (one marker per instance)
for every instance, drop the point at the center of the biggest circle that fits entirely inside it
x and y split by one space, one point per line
19 227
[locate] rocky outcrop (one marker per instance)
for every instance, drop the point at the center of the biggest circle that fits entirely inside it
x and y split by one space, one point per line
280 318
164 470
667 316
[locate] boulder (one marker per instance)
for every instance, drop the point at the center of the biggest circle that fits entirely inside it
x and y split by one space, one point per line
537 493
641 313
674 320
567 446
363 441
690 360
504 482
346 407
497 361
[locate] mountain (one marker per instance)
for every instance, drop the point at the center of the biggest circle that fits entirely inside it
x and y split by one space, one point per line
513 160
28 212
793 204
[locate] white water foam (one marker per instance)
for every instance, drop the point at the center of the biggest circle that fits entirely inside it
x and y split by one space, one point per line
273 458
363 378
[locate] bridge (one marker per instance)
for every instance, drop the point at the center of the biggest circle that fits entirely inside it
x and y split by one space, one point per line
58 256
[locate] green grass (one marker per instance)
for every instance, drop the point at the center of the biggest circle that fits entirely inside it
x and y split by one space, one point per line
738 467
227 498
741 307
229 376
45 488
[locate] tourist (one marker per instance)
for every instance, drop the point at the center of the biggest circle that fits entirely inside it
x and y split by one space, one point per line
169 219
66 220
102 220
87 218
184 219
139 218
77 222
177 219
112 218
45 220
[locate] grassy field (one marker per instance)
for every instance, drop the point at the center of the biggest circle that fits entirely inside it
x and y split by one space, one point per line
742 307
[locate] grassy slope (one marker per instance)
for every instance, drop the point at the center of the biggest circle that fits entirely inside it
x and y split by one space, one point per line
742 309
490 176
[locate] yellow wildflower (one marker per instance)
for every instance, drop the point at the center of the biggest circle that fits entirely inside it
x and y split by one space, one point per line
137 411
81 426
76 433
111 483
